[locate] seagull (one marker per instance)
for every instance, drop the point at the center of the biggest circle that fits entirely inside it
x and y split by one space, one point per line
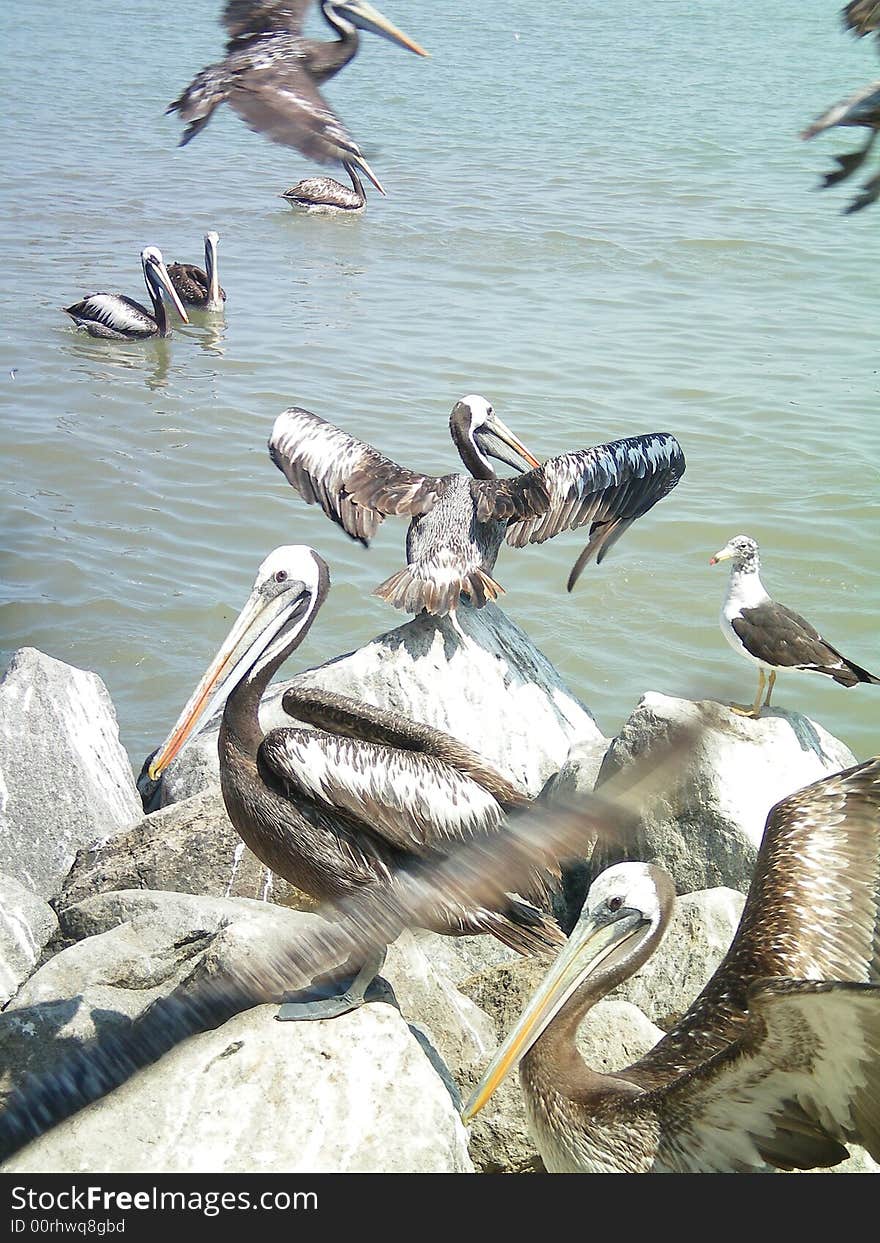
770 635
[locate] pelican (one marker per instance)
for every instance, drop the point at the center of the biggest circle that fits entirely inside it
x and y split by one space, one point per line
120 318
860 109
770 635
271 75
328 196
198 288
342 807
458 522
777 1062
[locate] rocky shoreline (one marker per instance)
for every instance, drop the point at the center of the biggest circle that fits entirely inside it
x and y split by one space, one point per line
104 909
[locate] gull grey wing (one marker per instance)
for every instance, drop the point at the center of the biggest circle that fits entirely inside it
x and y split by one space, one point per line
772 632
355 485
251 18
788 1093
608 486
811 914
414 801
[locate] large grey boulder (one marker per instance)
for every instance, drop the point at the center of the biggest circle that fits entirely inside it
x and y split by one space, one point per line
27 924
353 1094
65 779
500 695
709 833
190 847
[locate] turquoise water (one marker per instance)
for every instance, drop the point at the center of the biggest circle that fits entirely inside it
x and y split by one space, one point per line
606 225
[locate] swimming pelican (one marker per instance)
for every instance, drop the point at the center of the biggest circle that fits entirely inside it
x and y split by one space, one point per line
342 807
776 1063
458 522
197 287
120 318
770 635
326 195
271 75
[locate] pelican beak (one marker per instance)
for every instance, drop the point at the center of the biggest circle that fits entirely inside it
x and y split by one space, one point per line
365 17
359 162
591 943
165 281
263 617
506 436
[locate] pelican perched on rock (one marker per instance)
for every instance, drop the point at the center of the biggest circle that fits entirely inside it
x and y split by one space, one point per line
334 809
770 635
458 522
114 316
777 1062
271 75
197 287
327 196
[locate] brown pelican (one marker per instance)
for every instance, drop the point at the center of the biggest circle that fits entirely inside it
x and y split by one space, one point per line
770 635
271 75
776 1063
860 109
122 319
335 809
196 287
326 195
458 522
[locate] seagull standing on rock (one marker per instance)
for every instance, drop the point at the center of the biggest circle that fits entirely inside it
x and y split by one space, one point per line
770 635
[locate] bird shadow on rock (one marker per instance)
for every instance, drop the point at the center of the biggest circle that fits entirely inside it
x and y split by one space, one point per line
805 732
30 1040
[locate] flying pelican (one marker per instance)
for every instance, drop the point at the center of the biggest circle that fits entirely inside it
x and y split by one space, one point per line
120 318
326 195
339 808
196 287
770 635
776 1063
271 75
458 522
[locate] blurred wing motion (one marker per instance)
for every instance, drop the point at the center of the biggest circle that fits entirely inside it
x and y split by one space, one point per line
478 873
862 17
608 486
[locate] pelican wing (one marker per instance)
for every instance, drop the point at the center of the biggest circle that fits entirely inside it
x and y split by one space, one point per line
245 19
802 1081
812 913
114 311
355 485
862 17
414 802
608 486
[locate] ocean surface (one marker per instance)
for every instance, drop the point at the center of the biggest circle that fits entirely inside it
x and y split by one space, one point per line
600 217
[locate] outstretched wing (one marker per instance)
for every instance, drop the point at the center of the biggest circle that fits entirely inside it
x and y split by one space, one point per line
251 18
802 1081
608 486
811 914
862 17
352 482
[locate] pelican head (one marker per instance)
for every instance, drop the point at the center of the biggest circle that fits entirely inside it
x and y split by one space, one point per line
742 550
365 17
288 592
624 916
157 278
474 419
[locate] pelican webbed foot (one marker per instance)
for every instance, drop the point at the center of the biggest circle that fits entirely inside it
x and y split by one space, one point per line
330 996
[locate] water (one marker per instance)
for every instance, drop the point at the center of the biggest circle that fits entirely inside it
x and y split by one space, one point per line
606 226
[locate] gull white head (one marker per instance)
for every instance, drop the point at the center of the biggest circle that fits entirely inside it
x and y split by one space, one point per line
742 550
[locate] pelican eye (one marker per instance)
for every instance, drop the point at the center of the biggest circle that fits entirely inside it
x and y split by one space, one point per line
615 903
281 576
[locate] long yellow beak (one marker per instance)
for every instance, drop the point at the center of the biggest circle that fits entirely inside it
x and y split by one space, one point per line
165 279
503 431
589 946
367 18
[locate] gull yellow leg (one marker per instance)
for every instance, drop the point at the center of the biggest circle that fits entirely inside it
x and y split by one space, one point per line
755 710
770 688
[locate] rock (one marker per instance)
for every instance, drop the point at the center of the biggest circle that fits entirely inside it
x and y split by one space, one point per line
739 770
353 1094
134 947
27 924
613 1034
458 958
698 937
501 696
578 774
190 847
65 779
